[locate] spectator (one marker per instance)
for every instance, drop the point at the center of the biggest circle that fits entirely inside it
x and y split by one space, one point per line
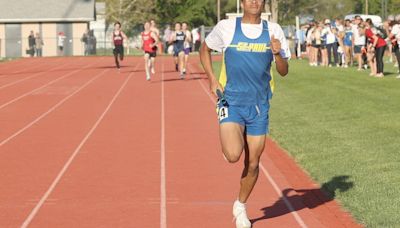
348 44
377 45
38 45
299 40
331 43
31 44
60 43
394 37
196 39
166 37
310 43
358 41
323 50
85 41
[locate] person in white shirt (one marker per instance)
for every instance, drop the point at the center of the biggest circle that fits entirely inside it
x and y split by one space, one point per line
250 45
331 43
309 42
394 36
359 42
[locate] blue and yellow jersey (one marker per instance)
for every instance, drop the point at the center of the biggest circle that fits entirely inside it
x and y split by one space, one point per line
246 68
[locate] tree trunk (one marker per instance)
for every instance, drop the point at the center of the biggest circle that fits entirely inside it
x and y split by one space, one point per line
271 6
274 11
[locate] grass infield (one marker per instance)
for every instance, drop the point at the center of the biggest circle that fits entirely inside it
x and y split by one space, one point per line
343 124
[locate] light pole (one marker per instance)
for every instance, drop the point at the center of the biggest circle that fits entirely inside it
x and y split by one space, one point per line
219 10
238 6
366 7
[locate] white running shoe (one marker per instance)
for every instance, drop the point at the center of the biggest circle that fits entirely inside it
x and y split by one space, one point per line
147 76
152 70
240 215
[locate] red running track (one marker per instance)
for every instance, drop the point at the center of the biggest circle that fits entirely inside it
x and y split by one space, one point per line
82 145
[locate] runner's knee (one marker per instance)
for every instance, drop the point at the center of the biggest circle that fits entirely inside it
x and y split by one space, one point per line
253 166
231 157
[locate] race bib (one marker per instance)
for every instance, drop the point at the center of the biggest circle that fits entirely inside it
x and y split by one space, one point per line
223 113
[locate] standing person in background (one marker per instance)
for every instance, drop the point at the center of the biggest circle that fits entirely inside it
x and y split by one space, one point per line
394 37
60 43
38 45
187 45
310 42
31 44
331 43
178 39
149 41
322 48
166 37
348 44
358 41
299 40
85 41
117 39
196 39
371 55
338 30
386 28
154 28
378 45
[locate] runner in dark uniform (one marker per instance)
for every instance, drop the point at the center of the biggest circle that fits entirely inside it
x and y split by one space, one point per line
118 42
178 39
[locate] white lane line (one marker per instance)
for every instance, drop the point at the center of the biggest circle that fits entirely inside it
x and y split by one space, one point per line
50 110
53 185
296 216
32 76
163 191
285 200
45 85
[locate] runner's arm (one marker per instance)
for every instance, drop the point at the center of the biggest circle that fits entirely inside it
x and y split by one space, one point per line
155 37
280 50
188 37
172 38
205 58
125 38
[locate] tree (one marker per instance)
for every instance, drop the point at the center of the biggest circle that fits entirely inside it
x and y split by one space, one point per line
131 13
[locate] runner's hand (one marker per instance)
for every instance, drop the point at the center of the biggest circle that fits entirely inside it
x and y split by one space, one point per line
275 45
214 85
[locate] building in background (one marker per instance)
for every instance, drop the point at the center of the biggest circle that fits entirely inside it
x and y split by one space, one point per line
99 27
48 18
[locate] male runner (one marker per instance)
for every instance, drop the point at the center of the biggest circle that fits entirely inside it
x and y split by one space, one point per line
178 38
186 45
249 45
117 38
154 28
150 41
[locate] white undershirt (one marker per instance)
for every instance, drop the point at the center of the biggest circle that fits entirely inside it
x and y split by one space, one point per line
222 35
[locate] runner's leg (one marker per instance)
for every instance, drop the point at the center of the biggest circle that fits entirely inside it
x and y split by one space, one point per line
254 147
232 140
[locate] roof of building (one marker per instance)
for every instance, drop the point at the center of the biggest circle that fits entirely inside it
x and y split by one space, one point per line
46 11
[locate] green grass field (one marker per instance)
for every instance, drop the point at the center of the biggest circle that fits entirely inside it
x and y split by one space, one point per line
340 122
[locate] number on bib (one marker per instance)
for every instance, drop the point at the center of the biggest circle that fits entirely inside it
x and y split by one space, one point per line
223 113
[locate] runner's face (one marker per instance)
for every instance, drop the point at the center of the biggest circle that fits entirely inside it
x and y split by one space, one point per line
147 26
184 26
117 26
178 27
253 7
